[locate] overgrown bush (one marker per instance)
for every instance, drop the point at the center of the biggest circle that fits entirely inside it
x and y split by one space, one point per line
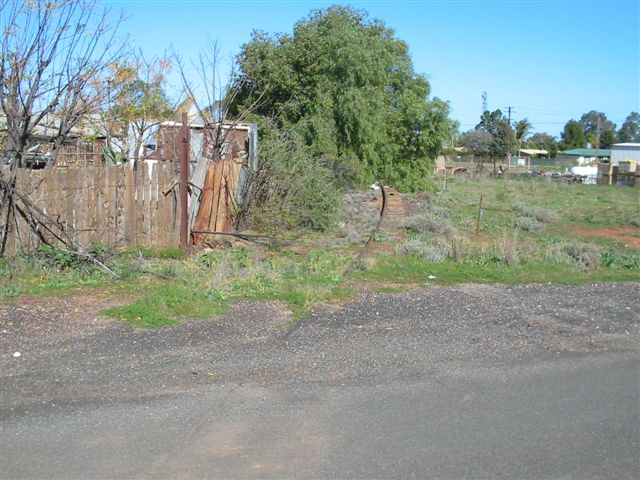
291 189
434 250
360 214
539 214
428 223
528 224
51 257
582 255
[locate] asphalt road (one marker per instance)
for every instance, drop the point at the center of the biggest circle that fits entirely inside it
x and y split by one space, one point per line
462 382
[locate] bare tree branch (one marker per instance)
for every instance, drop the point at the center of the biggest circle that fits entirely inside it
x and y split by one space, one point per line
51 52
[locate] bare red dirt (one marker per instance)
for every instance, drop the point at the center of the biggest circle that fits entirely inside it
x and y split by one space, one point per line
622 234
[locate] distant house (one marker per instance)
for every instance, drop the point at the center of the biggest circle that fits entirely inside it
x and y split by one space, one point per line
586 156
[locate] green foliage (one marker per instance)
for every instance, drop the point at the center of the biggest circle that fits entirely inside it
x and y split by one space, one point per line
543 141
346 86
49 256
503 137
165 306
477 141
170 252
594 123
164 253
573 136
291 190
410 270
625 260
630 129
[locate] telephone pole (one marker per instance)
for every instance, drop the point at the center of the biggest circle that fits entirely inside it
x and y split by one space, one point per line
509 136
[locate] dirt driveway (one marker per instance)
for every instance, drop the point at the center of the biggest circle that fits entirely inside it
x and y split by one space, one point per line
467 381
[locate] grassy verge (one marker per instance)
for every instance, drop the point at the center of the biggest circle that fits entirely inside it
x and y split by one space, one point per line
411 270
526 236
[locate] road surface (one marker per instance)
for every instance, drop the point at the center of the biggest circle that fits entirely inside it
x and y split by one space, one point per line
458 382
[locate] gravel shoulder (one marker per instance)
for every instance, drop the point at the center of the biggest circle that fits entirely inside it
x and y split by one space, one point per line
243 387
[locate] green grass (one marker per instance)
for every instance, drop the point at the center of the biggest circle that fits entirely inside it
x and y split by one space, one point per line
412 270
170 286
167 305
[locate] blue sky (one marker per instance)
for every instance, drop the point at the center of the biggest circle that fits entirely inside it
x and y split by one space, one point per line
550 60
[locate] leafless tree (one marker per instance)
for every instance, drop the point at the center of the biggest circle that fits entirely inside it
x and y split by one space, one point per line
51 53
213 96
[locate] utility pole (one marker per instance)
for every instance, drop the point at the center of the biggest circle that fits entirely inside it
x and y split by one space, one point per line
597 137
509 137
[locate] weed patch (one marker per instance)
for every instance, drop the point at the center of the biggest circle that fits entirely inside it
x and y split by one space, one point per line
166 306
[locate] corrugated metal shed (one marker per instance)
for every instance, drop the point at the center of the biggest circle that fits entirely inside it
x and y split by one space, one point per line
625 151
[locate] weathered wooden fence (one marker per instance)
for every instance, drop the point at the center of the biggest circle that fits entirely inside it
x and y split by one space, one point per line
110 205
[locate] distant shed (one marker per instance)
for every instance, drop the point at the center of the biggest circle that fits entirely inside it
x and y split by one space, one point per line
625 151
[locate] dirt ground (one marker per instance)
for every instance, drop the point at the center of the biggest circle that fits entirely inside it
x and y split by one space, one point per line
630 236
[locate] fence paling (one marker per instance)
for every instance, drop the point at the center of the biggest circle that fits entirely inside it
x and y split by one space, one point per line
112 205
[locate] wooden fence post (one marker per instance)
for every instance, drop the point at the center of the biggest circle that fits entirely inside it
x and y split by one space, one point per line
479 214
184 179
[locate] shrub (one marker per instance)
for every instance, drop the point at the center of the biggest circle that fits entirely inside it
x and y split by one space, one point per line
628 260
582 255
291 189
539 214
428 223
435 250
528 224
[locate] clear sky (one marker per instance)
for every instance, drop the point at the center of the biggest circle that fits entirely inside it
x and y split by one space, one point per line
550 60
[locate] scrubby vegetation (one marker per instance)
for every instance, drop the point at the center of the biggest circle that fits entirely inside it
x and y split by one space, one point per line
437 243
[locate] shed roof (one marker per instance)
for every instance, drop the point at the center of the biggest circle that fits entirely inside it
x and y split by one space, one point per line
588 152
625 145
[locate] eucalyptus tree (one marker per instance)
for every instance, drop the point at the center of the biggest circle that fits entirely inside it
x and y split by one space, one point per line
573 136
630 129
346 85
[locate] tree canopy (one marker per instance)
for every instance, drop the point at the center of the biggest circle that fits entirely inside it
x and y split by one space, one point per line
598 129
573 136
346 87
543 141
630 129
503 138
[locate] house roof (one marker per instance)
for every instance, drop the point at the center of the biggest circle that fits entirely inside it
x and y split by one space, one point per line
533 151
588 152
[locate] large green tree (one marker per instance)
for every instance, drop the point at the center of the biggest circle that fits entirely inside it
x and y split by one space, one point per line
477 142
573 136
543 141
503 139
598 130
630 129
347 87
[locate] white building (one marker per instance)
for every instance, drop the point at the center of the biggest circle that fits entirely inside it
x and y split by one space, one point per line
625 151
